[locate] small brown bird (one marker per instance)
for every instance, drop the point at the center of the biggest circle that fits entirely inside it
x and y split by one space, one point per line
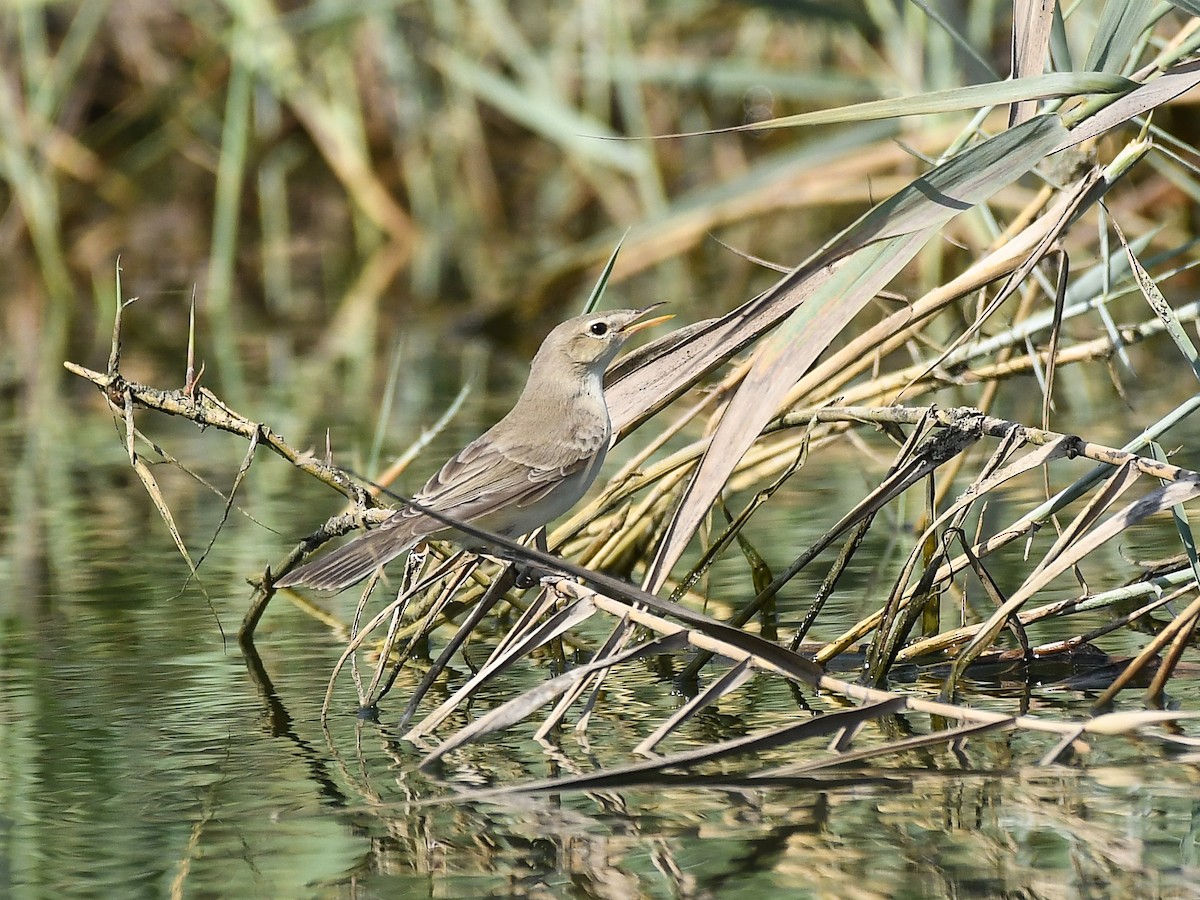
528 469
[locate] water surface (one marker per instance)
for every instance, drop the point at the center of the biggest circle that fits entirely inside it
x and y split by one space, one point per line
141 754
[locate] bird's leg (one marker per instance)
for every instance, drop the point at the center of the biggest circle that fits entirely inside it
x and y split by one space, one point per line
528 574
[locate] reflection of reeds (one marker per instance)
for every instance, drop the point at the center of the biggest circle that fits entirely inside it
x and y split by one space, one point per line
433 128
999 221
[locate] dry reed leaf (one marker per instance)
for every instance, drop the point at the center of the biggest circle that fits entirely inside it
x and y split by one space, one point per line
1030 40
834 288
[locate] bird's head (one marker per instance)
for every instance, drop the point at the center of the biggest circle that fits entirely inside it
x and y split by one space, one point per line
592 342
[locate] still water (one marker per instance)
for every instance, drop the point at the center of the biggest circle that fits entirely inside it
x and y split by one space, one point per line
142 754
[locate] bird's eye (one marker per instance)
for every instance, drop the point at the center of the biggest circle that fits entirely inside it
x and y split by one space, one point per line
599 329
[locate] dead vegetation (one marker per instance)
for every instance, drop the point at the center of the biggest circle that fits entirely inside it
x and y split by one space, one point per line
1036 213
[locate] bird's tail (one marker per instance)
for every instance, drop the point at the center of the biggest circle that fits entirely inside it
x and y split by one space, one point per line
349 563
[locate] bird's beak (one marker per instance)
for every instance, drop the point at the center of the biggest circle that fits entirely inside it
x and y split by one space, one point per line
633 326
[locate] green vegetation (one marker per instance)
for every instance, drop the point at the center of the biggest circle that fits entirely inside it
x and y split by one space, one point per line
922 243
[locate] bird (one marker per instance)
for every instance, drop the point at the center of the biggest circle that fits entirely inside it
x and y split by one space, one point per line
526 470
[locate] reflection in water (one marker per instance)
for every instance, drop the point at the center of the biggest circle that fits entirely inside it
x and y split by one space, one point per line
131 770
140 753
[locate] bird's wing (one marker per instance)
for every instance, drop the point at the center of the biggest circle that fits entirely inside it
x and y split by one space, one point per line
477 481
484 478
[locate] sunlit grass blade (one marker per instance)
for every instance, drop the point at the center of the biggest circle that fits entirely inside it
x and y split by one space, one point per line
976 96
554 626
1158 303
1120 25
1032 22
597 294
728 682
1087 122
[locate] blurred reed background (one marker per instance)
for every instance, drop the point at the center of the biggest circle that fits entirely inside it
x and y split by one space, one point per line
323 177
331 170
327 171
